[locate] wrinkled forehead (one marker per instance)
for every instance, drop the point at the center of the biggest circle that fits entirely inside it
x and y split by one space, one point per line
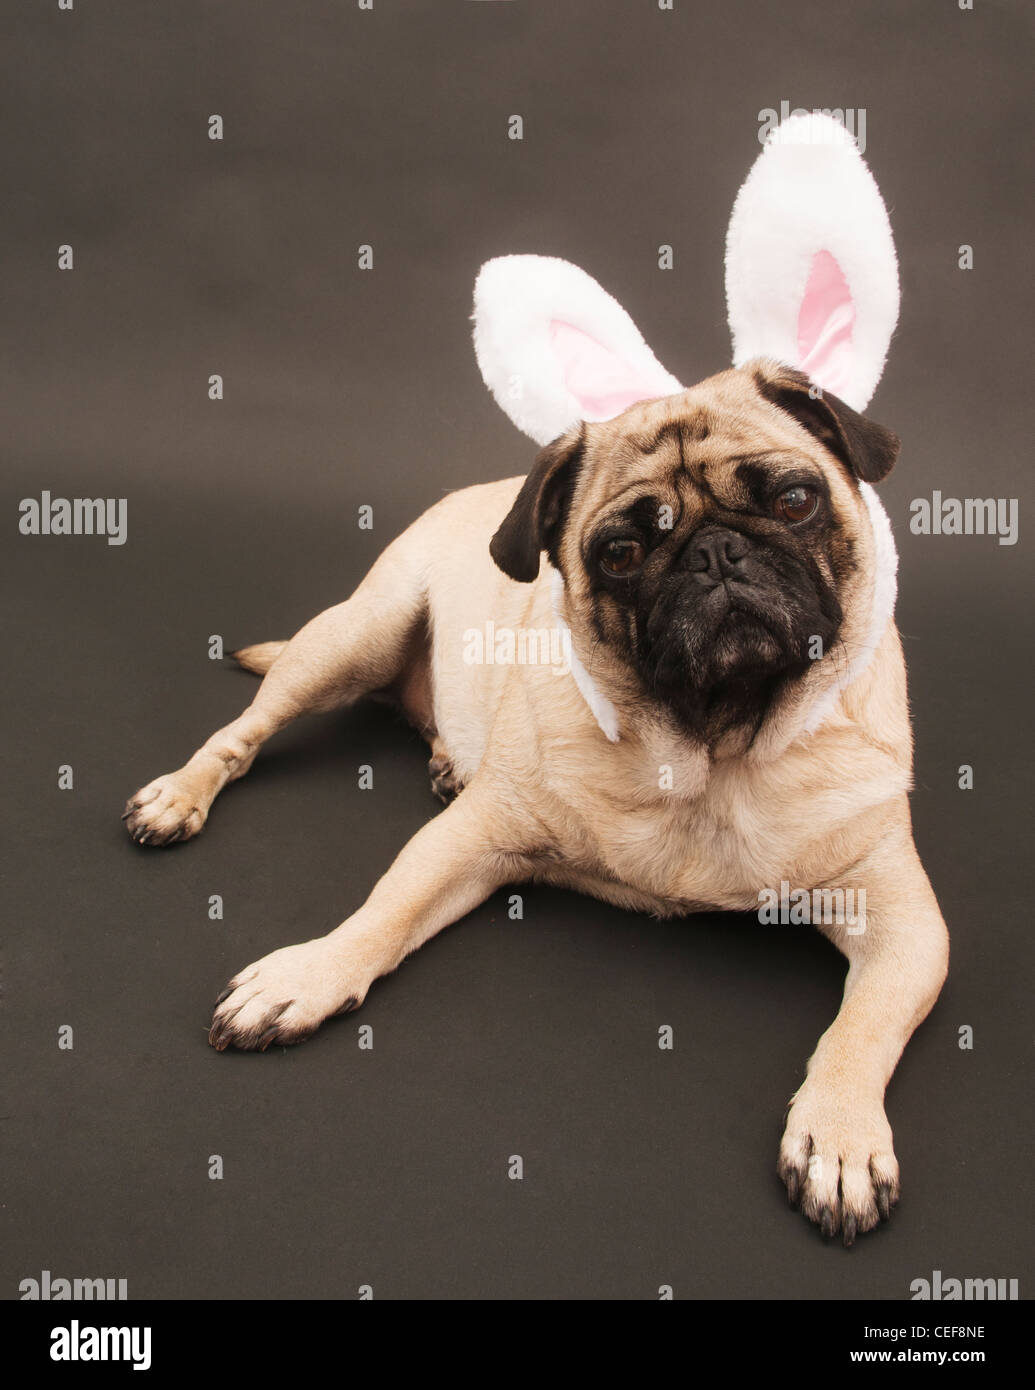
719 439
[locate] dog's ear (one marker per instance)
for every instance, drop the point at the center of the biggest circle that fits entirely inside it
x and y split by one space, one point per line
867 449
535 521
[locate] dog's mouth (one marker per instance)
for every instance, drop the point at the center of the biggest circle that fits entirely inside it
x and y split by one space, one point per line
732 625
745 645
718 658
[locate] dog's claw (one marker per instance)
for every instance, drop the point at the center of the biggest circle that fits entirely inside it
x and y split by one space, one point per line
883 1196
849 1228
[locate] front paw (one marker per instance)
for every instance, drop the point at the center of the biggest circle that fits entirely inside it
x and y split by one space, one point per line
837 1160
163 812
284 998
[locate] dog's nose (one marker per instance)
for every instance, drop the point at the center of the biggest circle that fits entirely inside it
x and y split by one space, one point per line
716 554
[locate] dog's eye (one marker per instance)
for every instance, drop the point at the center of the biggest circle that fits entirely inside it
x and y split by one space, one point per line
797 503
622 556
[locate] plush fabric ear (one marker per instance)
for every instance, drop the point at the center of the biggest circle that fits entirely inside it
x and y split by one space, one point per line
535 521
867 449
555 348
811 272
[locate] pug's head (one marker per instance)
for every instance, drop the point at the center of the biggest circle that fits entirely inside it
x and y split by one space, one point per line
714 544
723 553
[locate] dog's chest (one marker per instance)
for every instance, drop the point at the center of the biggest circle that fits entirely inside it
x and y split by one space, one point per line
693 855
746 830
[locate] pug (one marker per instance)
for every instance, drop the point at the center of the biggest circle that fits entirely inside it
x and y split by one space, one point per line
730 714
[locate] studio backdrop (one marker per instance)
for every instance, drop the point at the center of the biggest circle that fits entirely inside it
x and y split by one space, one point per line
239 250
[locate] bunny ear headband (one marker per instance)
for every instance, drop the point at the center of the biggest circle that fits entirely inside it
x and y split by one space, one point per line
811 280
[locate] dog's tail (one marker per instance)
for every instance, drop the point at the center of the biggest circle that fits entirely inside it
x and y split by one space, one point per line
260 657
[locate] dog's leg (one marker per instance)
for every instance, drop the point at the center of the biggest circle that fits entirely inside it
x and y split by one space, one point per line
344 652
451 865
836 1156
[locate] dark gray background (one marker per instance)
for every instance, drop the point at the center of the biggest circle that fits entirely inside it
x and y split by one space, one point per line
342 388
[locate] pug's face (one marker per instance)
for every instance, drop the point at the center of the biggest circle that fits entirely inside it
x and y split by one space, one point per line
714 542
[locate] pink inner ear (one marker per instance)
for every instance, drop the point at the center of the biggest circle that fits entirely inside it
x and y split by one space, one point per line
825 323
601 381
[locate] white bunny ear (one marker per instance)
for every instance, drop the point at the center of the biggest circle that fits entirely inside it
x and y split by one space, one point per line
555 348
811 273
